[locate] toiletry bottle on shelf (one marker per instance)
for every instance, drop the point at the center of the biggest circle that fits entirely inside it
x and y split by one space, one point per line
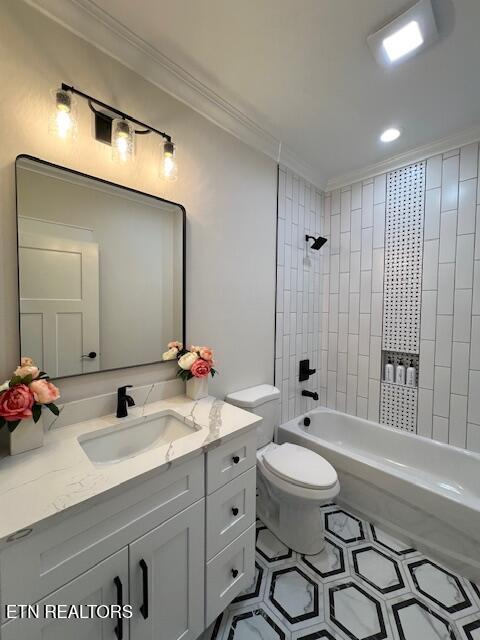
389 371
400 373
411 375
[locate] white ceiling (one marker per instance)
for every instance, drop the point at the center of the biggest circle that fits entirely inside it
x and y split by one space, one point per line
301 69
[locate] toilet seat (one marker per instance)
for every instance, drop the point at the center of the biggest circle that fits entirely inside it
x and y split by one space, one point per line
300 466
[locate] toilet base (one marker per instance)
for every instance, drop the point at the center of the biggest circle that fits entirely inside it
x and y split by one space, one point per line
298 525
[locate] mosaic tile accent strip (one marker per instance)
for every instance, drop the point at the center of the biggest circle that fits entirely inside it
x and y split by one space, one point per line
365 585
398 406
403 258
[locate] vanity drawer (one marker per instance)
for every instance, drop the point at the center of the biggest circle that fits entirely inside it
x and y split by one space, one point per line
229 573
231 459
230 510
52 557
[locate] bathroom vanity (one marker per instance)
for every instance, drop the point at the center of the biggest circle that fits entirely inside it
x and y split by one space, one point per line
156 510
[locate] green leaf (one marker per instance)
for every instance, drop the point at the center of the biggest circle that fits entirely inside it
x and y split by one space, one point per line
14 381
36 412
53 408
13 425
27 379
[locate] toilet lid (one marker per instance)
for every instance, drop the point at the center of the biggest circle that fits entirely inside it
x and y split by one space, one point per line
300 466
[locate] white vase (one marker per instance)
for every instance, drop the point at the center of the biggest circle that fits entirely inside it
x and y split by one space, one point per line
27 436
197 388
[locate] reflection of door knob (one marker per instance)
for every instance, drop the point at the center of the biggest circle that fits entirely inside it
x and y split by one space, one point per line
92 355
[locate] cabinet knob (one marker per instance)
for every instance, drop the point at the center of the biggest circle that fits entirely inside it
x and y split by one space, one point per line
235 511
234 573
236 459
91 354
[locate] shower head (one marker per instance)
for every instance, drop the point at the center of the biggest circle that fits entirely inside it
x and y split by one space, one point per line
317 242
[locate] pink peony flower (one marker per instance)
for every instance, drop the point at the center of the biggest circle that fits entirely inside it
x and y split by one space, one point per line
175 345
44 392
206 353
26 362
200 368
16 403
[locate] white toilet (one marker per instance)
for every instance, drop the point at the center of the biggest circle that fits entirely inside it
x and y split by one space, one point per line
292 481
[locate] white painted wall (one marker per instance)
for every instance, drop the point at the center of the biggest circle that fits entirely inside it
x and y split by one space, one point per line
228 189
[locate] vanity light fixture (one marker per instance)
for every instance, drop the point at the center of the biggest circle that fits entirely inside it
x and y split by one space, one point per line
405 36
112 126
63 119
389 135
169 164
123 135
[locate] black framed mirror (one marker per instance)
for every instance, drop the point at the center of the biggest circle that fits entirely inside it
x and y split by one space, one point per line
101 271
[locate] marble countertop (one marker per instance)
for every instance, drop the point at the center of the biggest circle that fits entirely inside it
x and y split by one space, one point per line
41 483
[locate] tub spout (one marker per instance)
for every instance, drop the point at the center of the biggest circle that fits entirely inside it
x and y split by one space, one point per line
310 394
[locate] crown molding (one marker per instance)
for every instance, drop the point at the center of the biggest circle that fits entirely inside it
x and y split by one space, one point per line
416 154
100 29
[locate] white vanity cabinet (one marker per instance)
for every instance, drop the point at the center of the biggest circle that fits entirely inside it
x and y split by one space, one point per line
106 583
166 579
166 545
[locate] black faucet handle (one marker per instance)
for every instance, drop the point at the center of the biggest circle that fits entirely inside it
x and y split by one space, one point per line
122 391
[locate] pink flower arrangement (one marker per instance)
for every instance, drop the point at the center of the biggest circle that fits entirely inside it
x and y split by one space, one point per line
23 396
194 362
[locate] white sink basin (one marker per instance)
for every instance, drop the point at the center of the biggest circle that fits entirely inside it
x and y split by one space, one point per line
133 436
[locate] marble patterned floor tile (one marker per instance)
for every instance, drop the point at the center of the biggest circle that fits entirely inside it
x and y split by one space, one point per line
390 544
344 526
380 571
448 592
365 585
295 597
328 565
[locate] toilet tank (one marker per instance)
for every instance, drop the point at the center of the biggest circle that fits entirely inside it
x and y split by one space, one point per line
264 401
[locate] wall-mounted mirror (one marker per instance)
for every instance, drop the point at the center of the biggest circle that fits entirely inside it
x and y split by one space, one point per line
101 271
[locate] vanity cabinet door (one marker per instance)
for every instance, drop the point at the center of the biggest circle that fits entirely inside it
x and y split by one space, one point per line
167 579
105 584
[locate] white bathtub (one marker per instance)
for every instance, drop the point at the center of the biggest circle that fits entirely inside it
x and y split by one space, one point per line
425 492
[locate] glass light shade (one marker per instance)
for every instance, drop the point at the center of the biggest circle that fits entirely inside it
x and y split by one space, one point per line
169 169
123 140
63 119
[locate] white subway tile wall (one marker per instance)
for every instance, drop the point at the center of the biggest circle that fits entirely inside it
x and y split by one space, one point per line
335 318
302 290
354 339
449 380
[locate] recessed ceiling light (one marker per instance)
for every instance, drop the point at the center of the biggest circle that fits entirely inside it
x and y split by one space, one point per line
404 36
403 41
389 135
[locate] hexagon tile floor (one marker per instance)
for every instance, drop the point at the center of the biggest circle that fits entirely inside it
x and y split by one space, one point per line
365 585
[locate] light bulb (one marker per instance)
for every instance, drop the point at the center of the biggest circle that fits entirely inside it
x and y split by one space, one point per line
169 164
122 140
63 120
389 135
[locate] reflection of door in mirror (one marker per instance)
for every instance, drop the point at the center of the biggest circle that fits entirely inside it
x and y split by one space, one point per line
59 301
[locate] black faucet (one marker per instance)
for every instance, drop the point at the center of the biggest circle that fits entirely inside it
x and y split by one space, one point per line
124 401
310 394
